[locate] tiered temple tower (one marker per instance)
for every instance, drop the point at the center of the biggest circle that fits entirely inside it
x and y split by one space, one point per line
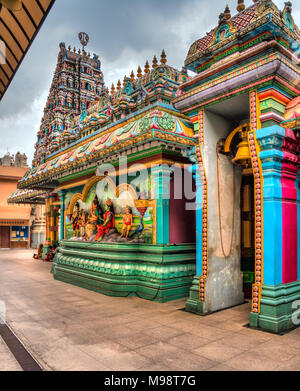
76 84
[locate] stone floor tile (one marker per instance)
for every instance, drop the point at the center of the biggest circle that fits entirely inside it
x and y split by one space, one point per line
218 351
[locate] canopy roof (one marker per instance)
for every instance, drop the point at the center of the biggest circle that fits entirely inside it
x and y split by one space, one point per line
158 122
27 197
17 31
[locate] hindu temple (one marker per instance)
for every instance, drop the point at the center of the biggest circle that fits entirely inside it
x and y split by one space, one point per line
168 185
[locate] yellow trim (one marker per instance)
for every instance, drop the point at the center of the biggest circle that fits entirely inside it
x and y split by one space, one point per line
84 194
229 139
149 204
257 148
271 97
74 184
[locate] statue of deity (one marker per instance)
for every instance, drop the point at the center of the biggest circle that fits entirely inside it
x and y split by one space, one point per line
93 219
109 221
127 222
75 220
82 222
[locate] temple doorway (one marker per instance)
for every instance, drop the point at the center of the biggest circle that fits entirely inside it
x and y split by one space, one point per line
4 237
247 232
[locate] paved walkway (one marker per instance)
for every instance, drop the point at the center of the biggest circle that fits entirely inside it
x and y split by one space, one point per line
69 328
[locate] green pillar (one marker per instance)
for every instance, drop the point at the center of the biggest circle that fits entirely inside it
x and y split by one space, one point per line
161 177
62 195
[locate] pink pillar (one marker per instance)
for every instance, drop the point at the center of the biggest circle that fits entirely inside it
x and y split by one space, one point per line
289 217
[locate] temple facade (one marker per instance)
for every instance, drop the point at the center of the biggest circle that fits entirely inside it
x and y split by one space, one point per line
14 220
169 186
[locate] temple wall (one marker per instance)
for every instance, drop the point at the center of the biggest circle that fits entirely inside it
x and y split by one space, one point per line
182 221
224 280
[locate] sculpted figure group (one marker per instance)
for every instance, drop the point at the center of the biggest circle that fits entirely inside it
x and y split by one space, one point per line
95 225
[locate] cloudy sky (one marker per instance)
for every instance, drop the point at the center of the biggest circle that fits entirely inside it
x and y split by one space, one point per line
124 33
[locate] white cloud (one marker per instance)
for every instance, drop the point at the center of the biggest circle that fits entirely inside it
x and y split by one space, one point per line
19 132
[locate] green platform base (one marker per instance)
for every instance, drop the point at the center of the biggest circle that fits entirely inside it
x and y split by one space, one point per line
193 303
153 272
276 309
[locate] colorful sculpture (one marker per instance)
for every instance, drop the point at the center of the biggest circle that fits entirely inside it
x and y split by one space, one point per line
93 219
82 223
127 222
109 221
75 220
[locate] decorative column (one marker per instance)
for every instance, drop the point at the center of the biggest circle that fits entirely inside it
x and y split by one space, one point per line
197 291
47 239
62 195
50 224
280 272
161 176
298 223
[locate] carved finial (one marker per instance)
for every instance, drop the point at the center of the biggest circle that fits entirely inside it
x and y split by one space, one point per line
119 85
132 77
74 49
227 12
112 90
241 6
89 54
163 57
222 18
79 51
288 6
139 72
147 67
69 48
124 81
154 62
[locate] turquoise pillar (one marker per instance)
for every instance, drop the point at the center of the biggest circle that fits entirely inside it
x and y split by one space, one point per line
271 140
161 176
62 195
198 206
194 304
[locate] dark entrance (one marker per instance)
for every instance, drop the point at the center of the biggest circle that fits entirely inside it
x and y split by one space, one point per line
247 233
4 237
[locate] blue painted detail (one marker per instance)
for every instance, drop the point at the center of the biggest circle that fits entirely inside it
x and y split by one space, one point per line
62 195
275 88
195 169
270 140
274 130
220 29
198 223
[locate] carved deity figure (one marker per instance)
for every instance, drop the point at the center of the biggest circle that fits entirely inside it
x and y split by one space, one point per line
82 222
127 222
108 221
75 220
93 219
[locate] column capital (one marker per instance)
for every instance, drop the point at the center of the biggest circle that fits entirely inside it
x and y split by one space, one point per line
271 137
162 169
61 194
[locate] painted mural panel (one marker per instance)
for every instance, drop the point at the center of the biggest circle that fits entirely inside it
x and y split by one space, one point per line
110 214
